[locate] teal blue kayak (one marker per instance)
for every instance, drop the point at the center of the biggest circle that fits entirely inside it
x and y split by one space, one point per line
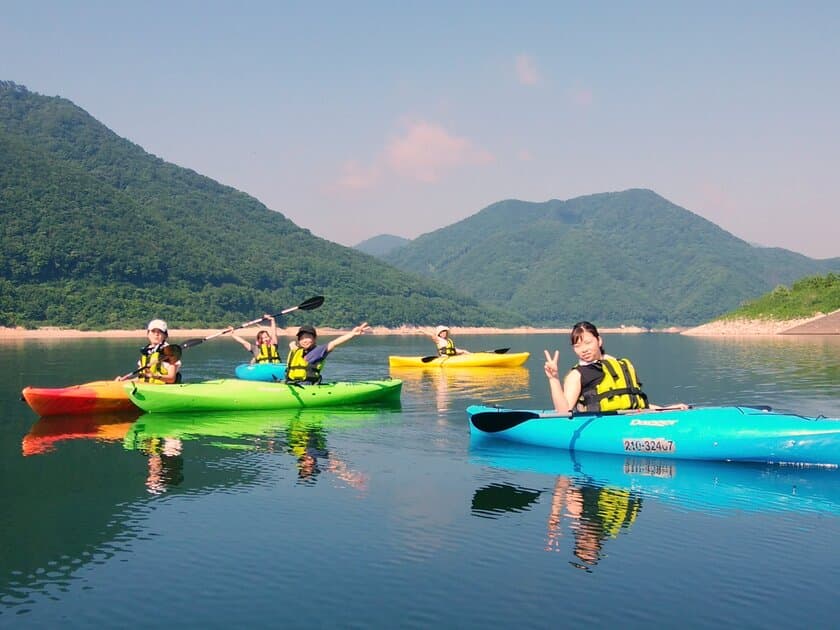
234 395
268 372
749 434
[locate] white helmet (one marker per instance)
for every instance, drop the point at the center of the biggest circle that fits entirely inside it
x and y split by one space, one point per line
158 324
440 329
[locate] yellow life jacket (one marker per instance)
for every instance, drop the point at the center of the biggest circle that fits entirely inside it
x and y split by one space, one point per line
267 353
150 357
298 369
448 350
618 389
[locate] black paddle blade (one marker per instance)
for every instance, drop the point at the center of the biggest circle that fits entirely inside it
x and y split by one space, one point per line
500 350
311 303
189 343
431 358
495 421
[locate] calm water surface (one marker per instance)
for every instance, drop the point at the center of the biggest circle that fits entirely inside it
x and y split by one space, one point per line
392 518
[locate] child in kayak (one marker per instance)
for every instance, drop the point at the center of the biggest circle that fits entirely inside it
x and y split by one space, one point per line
264 350
445 344
599 381
306 358
155 365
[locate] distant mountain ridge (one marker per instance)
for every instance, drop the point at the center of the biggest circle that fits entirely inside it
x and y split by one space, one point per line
381 244
99 233
628 257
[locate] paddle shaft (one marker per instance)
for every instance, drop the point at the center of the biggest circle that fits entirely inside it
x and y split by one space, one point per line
307 305
502 420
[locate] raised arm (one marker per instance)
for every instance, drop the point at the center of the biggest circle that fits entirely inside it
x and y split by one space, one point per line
361 329
245 343
273 327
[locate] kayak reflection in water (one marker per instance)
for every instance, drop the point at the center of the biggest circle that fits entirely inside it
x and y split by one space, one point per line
308 443
596 513
166 465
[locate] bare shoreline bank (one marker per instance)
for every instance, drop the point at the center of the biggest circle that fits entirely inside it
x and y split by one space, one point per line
719 328
185 333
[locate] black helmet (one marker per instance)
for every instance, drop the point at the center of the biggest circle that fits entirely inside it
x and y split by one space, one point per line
306 329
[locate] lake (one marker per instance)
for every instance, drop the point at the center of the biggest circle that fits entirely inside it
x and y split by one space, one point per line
381 518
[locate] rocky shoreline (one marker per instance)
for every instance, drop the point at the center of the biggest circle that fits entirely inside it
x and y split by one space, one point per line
742 327
186 333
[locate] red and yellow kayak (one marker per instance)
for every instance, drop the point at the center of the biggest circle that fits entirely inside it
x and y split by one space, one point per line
88 398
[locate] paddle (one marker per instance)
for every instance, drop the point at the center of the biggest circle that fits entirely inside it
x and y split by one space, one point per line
437 356
496 421
307 305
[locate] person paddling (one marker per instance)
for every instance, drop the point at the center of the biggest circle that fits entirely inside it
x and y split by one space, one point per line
157 365
445 344
598 381
306 357
264 349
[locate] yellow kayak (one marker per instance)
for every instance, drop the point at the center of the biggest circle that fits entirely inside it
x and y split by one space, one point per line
474 359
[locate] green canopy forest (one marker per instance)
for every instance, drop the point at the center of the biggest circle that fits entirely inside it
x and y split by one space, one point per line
628 257
97 233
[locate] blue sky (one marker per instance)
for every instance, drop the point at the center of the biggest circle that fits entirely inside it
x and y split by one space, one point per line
356 119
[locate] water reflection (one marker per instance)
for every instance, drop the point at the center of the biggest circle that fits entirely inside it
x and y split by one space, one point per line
595 513
497 498
592 513
161 438
597 497
784 371
47 432
78 506
491 385
300 433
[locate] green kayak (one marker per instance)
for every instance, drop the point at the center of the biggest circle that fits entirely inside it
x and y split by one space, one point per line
235 394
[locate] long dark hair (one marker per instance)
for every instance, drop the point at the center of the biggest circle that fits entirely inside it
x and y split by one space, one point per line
582 327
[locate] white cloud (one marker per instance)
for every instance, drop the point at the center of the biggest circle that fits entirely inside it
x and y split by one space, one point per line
427 151
423 151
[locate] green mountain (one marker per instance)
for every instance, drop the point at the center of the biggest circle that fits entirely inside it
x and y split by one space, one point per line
628 257
381 245
98 233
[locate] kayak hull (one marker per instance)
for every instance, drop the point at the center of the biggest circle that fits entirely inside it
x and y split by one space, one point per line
474 359
233 394
267 372
88 398
710 433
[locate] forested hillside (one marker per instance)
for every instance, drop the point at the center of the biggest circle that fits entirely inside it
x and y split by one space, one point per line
628 257
98 233
805 298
